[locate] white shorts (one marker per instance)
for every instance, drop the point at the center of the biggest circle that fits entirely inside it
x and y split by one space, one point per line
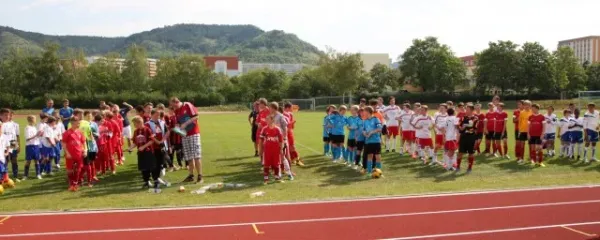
192 147
127 132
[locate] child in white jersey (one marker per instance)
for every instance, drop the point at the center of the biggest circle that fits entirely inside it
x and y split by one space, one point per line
423 125
550 131
590 125
439 120
407 129
450 131
59 129
565 133
391 113
32 148
576 128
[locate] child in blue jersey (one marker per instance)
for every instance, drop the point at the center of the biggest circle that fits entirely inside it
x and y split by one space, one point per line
326 131
352 125
372 132
337 122
344 155
360 138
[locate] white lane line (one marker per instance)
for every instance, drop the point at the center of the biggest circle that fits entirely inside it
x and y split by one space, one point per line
296 221
308 148
493 231
368 199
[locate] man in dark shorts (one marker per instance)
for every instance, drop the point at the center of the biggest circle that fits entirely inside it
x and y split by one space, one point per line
468 135
254 125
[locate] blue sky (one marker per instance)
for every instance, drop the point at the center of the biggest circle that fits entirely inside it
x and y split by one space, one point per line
373 26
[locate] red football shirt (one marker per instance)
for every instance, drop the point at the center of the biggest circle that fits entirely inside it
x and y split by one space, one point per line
272 138
185 113
157 132
145 117
460 115
516 114
173 137
103 135
114 128
480 123
261 119
536 125
500 122
290 119
74 140
490 118
141 136
119 122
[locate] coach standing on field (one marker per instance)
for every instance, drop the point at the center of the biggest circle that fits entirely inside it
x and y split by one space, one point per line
187 118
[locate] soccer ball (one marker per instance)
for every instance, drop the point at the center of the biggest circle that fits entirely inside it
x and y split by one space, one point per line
8 184
181 189
1 190
376 173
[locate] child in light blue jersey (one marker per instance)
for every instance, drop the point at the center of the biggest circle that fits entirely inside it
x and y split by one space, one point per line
326 131
360 139
372 132
337 122
352 125
344 154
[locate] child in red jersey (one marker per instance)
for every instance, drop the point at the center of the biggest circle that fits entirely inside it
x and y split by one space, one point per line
261 119
500 133
271 142
104 158
537 123
75 150
480 127
111 121
143 139
489 120
287 112
118 136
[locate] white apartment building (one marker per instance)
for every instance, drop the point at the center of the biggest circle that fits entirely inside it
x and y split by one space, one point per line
585 48
289 69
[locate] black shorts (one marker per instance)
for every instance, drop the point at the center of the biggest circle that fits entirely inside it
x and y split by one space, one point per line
467 143
489 136
91 156
516 134
373 148
326 139
253 133
500 136
535 140
351 143
146 161
384 130
360 145
479 136
337 139
522 137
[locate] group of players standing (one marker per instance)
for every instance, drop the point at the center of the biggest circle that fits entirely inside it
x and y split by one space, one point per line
456 130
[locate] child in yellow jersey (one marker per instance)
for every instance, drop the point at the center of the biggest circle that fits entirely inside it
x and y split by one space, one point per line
523 126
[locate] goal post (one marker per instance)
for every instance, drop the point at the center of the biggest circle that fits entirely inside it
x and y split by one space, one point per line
323 102
302 104
585 97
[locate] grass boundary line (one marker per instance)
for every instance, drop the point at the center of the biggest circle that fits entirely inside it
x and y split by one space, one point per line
283 203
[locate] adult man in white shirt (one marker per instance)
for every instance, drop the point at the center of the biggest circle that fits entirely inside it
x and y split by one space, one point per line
590 126
390 113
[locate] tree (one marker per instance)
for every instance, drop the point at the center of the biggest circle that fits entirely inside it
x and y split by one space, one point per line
383 78
135 70
593 73
104 74
570 75
498 66
344 71
535 67
431 66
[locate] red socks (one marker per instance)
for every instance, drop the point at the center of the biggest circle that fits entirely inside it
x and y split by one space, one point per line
471 161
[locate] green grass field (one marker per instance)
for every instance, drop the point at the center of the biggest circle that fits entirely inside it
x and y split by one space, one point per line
228 157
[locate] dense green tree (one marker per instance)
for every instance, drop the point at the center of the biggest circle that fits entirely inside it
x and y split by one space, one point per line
135 70
498 66
593 73
383 78
536 68
570 75
431 66
344 71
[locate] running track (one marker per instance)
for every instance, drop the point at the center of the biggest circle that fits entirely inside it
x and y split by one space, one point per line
550 213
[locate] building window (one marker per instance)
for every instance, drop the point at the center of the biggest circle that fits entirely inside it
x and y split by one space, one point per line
220 66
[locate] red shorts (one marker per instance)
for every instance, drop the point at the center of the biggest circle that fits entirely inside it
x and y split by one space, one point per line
439 140
260 128
290 137
271 158
425 142
451 145
393 130
74 160
408 135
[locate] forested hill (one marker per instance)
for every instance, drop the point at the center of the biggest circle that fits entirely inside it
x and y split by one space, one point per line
249 42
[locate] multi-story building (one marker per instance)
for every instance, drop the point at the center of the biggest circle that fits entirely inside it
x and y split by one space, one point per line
228 65
587 49
290 69
370 59
469 62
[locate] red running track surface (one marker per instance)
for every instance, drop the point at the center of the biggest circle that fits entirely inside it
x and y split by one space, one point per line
552 213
